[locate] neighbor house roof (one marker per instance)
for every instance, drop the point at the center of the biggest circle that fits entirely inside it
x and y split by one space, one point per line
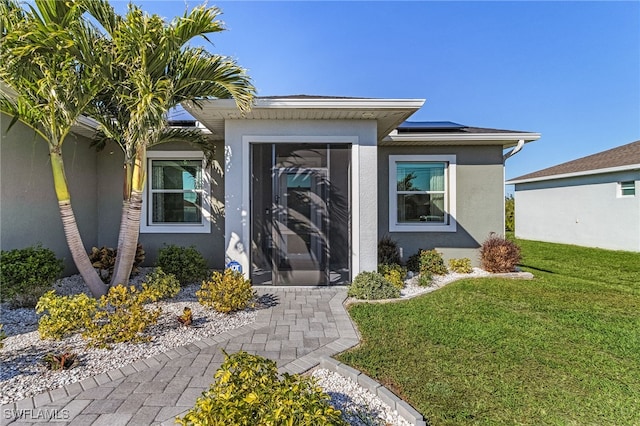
625 157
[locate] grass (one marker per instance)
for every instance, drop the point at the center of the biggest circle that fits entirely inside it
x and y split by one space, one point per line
561 349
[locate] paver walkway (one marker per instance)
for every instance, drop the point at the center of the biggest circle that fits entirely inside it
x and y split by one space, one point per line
301 326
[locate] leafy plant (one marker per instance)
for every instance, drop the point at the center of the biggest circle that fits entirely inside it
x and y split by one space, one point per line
248 391
63 361
413 263
388 251
187 316
161 284
461 266
431 261
509 214
372 285
104 261
226 292
424 279
393 273
122 317
64 315
186 263
26 274
499 255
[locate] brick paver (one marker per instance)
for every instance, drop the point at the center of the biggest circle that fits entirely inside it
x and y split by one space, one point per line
303 326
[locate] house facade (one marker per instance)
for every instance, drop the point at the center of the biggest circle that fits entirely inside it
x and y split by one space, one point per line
593 201
299 193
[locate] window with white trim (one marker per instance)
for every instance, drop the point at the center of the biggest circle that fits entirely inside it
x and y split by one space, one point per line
177 193
627 188
422 193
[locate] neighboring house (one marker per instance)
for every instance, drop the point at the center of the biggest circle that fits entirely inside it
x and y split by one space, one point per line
301 190
593 201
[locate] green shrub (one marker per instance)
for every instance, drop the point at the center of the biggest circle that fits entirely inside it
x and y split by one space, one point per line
388 251
26 274
372 285
509 213
424 279
64 315
461 266
431 260
119 316
161 285
122 317
393 273
186 263
413 263
499 255
104 261
60 361
226 292
248 391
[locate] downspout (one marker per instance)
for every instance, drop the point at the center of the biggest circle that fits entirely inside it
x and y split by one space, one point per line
514 151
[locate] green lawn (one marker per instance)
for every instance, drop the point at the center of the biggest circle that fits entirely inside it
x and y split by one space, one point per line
563 348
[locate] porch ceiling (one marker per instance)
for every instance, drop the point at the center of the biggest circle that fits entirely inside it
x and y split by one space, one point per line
388 113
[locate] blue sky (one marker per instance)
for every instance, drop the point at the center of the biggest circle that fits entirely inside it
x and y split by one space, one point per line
568 70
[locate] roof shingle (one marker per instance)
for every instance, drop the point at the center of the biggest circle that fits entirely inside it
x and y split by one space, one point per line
624 155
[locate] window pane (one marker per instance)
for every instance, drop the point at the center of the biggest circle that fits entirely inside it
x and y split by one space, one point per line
420 176
420 208
177 208
177 174
628 188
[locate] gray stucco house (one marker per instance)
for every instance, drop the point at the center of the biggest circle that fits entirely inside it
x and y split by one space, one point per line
301 190
593 201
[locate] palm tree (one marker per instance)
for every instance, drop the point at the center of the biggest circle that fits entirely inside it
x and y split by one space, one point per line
47 80
153 68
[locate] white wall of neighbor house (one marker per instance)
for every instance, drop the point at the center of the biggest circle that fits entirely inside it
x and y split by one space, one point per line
361 134
587 211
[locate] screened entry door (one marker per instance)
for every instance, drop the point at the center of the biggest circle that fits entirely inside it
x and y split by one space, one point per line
300 225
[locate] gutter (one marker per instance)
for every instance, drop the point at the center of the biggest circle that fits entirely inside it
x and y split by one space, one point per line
514 151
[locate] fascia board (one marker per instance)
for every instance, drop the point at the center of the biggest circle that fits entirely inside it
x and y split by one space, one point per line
229 104
489 138
576 174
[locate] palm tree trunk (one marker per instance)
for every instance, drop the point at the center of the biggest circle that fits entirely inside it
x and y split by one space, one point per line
70 227
130 225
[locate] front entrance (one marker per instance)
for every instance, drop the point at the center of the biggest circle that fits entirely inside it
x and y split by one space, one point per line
300 214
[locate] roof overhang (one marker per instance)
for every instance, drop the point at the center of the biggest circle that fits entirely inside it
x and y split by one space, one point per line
626 168
505 139
388 113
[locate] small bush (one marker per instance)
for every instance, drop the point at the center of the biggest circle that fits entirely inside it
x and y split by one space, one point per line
461 266
122 317
64 315
186 263
61 361
226 292
3 336
431 260
499 255
248 391
372 285
413 263
509 213
104 261
424 279
393 273
26 274
388 251
161 285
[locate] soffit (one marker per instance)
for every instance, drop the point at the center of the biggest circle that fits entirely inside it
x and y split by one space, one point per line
388 113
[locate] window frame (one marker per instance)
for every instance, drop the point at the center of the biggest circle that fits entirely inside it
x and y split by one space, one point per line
450 224
621 188
146 223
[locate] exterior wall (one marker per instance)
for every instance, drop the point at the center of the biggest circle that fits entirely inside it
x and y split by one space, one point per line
479 199
585 211
29 211
239 134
